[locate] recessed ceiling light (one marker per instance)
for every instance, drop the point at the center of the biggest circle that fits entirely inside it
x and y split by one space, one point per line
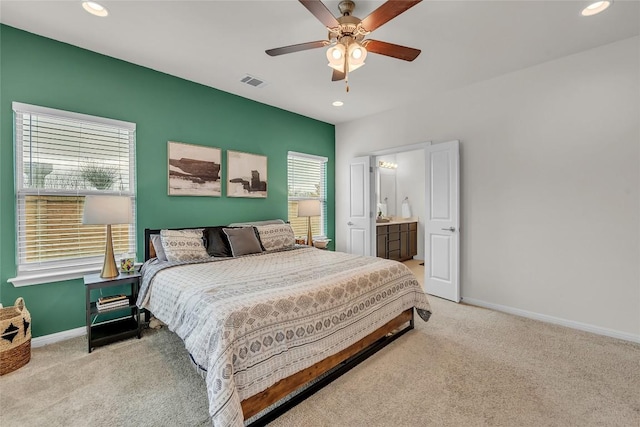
596 7
337 103
95 8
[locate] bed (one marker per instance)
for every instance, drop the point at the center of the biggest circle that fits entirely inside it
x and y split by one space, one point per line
263 326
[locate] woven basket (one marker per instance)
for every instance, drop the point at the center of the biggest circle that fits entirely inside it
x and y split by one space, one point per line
15 337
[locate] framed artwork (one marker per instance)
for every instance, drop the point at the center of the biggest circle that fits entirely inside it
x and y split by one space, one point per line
246 175
194 170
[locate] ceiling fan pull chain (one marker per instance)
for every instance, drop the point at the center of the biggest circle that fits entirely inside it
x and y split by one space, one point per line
346 73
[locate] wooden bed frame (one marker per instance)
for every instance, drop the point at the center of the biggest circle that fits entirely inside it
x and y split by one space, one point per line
334 365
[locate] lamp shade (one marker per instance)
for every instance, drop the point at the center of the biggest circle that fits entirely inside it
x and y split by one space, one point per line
309 208
107 210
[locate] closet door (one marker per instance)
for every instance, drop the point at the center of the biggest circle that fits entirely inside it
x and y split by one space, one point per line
442 236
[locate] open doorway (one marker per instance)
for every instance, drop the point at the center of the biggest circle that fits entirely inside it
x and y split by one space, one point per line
400 191
436 183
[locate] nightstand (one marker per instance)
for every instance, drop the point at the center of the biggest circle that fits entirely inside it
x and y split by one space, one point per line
124 321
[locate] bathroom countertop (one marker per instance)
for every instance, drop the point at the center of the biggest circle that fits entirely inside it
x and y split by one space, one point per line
397 221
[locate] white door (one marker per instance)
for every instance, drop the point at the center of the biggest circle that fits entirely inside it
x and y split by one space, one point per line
360 224
442 222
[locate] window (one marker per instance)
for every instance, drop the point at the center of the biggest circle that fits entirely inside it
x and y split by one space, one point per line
60 158
307 180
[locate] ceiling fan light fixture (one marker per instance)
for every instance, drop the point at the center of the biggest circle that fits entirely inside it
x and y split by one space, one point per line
335 55
357 55
345 43
596 7
95 8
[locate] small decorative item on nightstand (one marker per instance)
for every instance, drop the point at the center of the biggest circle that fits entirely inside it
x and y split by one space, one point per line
127 325
127 264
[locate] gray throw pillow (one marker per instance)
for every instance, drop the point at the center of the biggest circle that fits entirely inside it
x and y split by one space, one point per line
243 241
156 241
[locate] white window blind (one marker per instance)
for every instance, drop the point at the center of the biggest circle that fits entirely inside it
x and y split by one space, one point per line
307 180
60 158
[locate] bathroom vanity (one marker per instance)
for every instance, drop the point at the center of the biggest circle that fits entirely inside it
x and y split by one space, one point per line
397 239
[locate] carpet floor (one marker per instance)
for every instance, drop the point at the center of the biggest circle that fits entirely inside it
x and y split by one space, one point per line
467 366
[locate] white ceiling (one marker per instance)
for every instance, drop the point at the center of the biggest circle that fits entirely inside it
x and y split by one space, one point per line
216 43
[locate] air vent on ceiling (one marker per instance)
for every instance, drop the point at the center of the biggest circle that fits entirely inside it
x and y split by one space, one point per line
253 81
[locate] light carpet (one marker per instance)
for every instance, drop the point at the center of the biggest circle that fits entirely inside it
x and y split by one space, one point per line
467 366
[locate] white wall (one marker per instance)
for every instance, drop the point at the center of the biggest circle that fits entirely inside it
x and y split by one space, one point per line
550 165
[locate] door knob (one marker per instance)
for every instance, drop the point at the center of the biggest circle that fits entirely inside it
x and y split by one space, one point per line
349 223
452 229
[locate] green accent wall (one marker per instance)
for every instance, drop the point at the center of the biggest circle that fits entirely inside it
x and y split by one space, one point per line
44 72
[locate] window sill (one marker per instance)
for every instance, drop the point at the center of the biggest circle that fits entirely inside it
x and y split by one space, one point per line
41 277
29 278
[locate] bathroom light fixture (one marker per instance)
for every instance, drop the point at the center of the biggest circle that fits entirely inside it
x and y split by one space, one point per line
95 8
596 7
337 103
387 165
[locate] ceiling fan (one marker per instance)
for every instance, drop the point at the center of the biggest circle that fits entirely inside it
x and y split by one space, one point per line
346 40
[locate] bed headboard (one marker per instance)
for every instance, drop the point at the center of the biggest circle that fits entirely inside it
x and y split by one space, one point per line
257 223
150 252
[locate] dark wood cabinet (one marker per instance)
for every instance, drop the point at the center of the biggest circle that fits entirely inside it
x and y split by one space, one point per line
397 241
381 244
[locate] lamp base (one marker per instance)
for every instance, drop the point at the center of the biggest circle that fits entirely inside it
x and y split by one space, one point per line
109 267
309 234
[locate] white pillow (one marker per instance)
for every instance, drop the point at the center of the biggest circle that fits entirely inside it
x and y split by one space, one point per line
276 236
183 245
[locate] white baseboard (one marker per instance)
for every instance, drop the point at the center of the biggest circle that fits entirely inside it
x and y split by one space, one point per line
58 336
555 320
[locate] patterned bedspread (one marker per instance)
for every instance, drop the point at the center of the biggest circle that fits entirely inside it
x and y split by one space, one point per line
254 320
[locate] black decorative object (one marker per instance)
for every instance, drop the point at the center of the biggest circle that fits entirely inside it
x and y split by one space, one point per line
10 333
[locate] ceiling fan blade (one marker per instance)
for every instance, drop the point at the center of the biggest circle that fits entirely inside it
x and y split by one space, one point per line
296 47
386 13
320 11
390 49
337 76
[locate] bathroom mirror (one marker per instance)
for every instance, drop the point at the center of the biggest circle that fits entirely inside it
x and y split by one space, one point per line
386 187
